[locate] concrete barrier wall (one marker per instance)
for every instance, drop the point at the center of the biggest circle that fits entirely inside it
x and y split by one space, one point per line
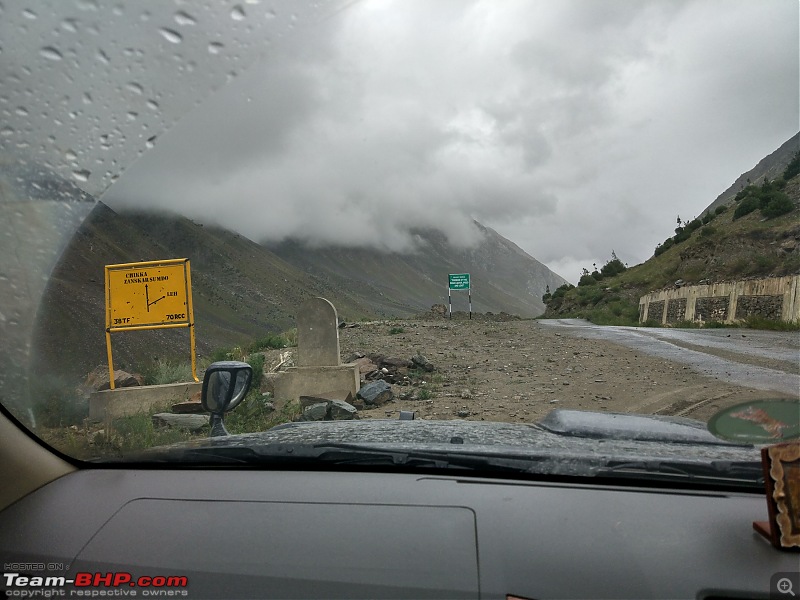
776 298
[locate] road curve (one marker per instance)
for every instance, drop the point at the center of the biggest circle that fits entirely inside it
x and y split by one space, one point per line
781 350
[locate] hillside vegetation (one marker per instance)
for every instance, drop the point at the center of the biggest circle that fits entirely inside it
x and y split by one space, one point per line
757 234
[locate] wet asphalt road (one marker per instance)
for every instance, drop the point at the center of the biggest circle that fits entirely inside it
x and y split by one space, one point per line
765 360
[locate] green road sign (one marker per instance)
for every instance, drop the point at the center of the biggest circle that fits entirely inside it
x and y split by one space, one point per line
758 422
458 281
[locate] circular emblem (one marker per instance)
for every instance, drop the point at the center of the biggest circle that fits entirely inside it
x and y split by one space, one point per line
758 422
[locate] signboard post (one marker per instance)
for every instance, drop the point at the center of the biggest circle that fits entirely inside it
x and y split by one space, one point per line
149 295
458 281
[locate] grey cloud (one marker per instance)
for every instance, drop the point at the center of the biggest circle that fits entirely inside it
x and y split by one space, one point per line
570 127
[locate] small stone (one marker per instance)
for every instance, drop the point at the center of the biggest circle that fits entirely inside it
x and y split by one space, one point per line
463 413
421 362
466 394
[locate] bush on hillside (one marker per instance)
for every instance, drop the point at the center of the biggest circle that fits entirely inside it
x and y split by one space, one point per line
746 206
778 205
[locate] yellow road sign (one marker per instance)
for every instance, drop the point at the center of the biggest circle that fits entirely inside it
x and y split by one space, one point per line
149 295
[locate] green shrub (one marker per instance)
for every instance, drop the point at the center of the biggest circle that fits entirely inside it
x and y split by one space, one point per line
793 168
721 209
396 330
269 342
661 248
779 204
562 290
692 225
681 236
164 371
613 267
424 394
745 207
756 322
256 361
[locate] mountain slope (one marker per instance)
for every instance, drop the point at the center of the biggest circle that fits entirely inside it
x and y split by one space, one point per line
726 243
503 277
771 167
240 291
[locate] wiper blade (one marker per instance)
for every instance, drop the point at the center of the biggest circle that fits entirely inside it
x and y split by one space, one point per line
722 472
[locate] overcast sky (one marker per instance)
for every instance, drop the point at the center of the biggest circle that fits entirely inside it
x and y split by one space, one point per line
571 127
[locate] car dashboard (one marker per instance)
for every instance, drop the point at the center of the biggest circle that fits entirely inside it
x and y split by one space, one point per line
334 534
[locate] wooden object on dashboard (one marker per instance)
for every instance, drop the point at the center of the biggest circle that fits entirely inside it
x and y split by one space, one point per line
781 464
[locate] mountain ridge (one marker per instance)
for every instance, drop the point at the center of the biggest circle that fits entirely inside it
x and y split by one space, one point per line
242 290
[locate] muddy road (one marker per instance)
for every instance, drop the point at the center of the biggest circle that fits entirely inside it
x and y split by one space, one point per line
518 371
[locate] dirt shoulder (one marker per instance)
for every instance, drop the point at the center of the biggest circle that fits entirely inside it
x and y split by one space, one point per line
518 371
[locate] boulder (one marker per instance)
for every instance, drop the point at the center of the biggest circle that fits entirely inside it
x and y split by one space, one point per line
376 393
121 379
316 412
339 410
342 395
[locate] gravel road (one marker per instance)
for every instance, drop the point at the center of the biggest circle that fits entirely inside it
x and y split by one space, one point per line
519 370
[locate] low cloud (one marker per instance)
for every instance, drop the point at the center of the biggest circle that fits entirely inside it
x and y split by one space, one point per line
573 128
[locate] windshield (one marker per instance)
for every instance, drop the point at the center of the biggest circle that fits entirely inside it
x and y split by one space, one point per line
424 228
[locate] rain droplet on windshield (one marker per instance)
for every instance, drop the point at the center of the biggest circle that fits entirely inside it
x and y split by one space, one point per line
87 5
69 25
170 35
29 14
70 155
151 141
184 18
152 105
215 47
51 53
237 13
81 175
135 87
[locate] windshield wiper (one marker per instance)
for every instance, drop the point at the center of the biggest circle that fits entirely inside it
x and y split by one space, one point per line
748 474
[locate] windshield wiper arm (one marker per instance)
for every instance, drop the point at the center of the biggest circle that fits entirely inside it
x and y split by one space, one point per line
725 472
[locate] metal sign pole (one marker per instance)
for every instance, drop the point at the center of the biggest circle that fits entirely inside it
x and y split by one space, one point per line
450 302
469 292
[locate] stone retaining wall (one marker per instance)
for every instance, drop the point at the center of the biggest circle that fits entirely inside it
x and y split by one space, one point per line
769 307
711 309
775 298
676 310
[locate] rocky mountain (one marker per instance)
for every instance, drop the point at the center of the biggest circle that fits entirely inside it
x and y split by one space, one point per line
243 290
752 230
771 167
502 276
